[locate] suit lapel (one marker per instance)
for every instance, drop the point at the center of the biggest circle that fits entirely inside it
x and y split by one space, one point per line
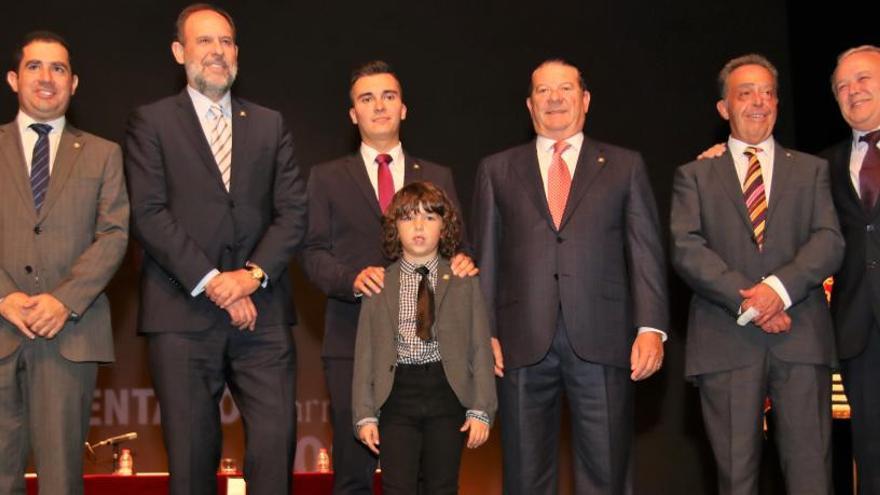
444 277
69 149
392 295
726 171
240 127
358 172
412 171
529 173
13 161
192 127
590 161
783 168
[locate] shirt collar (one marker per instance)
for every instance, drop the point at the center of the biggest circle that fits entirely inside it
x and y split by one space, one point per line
202 103
24 122
410 268
576 141
738 148
857 136
369 154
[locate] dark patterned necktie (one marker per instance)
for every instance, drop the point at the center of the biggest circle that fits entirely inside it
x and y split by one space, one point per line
40 164
869 174
424 305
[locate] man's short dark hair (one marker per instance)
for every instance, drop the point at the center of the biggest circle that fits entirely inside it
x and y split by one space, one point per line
736 63
199 7
44 36
560 61
372 68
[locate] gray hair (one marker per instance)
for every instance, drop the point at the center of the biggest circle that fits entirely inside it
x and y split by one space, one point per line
736 63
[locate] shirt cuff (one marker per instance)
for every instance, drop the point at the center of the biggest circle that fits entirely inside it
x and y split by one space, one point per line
663 335
480 416
367 421
204 281
776 284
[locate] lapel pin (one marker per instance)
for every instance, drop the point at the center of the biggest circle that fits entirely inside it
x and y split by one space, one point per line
77 145
416 166
788 154
445 276
601 160
242 113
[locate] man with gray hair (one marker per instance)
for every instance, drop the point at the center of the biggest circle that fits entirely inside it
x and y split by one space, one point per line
855 304
754 234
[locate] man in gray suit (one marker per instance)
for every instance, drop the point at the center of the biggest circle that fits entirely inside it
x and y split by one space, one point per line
754 234
64 225
568 243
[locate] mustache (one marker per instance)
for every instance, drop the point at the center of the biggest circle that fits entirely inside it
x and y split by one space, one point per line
215 59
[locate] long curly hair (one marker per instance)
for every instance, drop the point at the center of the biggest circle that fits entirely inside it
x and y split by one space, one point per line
406 202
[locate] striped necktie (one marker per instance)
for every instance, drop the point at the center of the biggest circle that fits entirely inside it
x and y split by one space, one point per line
40 164
221 143
756 200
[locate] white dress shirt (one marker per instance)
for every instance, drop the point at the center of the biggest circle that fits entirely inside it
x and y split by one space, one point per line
29 138
397 167
857 156
741 163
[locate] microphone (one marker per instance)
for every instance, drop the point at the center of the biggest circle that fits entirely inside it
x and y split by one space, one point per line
90 449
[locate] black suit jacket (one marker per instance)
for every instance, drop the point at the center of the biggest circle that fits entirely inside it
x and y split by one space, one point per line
855 300
188 224
604 267
345 236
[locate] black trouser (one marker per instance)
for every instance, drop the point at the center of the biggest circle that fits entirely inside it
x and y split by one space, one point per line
861 381
419 433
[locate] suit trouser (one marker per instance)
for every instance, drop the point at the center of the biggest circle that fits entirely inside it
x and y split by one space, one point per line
600 399
420 435
733 403
353 464
45 404
861 380
190 370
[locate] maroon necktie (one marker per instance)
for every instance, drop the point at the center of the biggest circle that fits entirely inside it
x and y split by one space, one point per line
386 182
869 174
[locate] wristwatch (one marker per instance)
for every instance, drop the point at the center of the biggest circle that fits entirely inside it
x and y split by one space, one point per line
256 272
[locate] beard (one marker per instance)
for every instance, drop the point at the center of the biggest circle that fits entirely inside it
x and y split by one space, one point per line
195 72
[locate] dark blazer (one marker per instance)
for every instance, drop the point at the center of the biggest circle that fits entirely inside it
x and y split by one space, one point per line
714 251
74 246
345 236
604 267
855 302
462 331
189 224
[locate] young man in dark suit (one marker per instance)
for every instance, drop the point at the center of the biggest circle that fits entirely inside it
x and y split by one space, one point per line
343 250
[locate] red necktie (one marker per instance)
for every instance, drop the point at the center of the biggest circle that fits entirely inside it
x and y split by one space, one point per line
756 200
869 174
558 183
386 182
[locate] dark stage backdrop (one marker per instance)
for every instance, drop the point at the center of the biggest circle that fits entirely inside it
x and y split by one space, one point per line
465 67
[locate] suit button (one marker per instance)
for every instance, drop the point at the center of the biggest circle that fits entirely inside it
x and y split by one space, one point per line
869 228
38 230
232 204
872 264
555 276
228 247
559 240
29 269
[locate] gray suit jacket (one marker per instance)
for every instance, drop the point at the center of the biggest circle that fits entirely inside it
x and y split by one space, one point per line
76 243
604 267
714 251
462 330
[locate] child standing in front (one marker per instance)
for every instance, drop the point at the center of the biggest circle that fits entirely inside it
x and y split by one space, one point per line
423 369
